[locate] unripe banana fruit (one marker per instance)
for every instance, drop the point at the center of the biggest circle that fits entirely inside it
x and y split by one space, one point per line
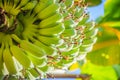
38 36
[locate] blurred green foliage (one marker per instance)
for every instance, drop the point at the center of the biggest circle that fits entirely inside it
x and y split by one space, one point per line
99 72
92 3
104 60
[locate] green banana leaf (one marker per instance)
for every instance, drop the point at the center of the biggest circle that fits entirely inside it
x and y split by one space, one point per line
112 11
99 72
107 49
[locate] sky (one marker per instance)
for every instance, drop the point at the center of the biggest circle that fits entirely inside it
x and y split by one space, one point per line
94 13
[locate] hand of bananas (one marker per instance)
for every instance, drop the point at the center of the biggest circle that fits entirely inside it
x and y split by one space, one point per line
38 36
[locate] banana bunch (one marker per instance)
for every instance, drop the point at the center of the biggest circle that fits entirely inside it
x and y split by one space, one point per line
79 35
38 36
29 31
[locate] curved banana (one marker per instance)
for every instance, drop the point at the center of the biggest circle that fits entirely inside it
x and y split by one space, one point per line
73 52
9 62
83 19
39 62
52 31
39 7
65 63
35 50
79 11
91 33
49 11
20 55
48 2
34 73
50 51
49 41
89 26
84 49
30 5
69 23
71 32
29 76
88 42
69 3
51 21
1 59
42 4
46 68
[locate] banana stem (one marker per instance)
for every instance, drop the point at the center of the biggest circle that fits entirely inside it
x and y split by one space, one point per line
82 76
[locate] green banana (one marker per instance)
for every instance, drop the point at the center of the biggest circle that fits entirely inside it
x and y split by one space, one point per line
84 49
20 55
48 2
68 63
1 58
9 62
88 42
49 41
91 33
83 19
52 31
46 68
49 11
39 62
33 49
34 73
30 76
50 51
27 34
79 11
30 5
65 63
69 23
69 3
51 21
89 26
71 32
73 52
39 7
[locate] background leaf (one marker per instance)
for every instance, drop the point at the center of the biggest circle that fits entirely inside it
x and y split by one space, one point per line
107 49
117 69
99 72
112 11
93 2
